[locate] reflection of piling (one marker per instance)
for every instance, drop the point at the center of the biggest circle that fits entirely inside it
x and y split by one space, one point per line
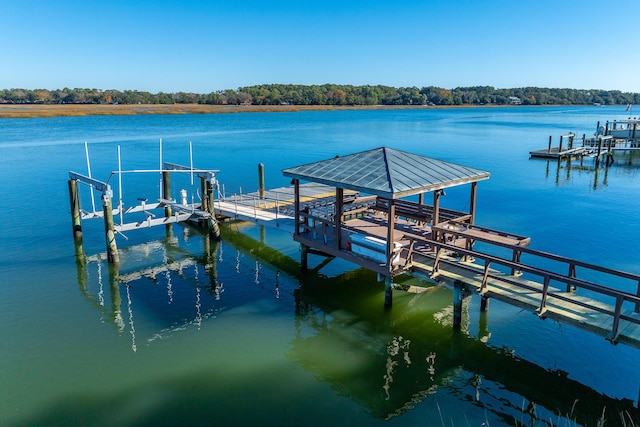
81 265
388 292
74 198
458 290
112 248
211 247
116 300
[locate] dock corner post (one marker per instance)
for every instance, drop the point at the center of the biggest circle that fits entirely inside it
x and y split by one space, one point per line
550 140
76 218
457 303
388 292
560 147
261 179
204 190
166 191
208 200
112 248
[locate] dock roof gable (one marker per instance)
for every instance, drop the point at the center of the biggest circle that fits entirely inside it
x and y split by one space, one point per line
386 172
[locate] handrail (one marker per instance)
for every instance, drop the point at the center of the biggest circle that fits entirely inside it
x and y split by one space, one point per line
619 295
572 263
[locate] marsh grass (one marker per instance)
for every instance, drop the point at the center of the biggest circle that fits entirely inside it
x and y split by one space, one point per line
61 110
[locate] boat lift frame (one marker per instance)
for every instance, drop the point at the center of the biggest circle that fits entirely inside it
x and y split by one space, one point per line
174 212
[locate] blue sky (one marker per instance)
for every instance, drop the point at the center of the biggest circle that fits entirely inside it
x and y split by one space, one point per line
206 46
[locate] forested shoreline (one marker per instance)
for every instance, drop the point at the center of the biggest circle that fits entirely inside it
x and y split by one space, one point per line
328 94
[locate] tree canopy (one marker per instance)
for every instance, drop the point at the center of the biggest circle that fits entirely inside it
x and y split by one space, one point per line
329 94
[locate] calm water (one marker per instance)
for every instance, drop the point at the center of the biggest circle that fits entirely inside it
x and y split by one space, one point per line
236 337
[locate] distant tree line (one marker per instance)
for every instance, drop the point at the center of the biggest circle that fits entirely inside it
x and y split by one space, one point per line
329 94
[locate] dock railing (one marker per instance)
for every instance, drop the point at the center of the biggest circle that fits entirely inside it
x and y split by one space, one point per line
570 279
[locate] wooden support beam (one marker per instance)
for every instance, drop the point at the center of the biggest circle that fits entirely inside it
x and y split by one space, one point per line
390 234
296 207
337 218
436 213
472 202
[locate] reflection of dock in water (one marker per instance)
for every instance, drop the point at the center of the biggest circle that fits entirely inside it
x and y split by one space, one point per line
408 355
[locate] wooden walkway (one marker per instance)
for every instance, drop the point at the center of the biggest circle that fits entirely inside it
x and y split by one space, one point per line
546 293
553 302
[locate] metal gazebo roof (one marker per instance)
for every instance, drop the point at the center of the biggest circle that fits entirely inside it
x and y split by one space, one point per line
386 172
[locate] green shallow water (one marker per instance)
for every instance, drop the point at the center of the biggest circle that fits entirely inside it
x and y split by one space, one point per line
239 337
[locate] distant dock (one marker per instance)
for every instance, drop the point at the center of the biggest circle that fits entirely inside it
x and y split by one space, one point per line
599 148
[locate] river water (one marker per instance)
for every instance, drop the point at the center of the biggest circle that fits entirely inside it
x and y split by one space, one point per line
237 336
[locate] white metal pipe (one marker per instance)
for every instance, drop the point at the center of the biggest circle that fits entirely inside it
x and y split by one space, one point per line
161 179
191 168
86 150
120 187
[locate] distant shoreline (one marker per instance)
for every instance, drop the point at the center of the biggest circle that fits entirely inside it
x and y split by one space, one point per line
19 111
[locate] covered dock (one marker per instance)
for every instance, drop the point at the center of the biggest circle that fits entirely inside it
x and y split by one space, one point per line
381 228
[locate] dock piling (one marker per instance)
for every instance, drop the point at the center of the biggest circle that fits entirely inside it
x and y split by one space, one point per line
76 219
112 248
261 179
166 191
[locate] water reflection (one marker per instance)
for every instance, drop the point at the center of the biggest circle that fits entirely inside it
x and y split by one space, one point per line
565 170
388 362
412 353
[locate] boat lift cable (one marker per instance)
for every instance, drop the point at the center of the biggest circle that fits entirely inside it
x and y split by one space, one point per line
120 206
161 172
191 168
93 203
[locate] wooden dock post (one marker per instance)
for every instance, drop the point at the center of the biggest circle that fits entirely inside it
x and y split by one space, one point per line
204 190
599 150
208 206
261 179
76 218
550 140
166 191
388 292
560 147
109 230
